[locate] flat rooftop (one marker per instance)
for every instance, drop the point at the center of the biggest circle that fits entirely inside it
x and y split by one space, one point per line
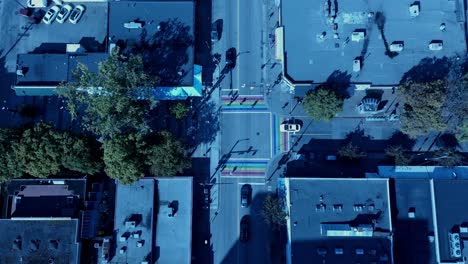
451 199
174 234
134 203
315 202
39 241
53 69
164 23
312 59
411 232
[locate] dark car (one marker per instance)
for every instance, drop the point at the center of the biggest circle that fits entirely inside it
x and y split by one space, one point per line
214 32
231 56
244 229
246 193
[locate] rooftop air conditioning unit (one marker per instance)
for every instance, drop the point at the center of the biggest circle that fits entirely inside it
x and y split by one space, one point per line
414 10
436 45
358 36
356 65
396 46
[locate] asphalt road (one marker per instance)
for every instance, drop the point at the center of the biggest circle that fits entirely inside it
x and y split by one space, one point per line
245 136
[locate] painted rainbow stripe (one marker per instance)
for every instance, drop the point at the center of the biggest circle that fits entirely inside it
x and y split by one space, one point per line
281 139
244 102
245 168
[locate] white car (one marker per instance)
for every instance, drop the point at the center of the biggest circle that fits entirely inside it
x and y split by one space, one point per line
290 127
51 15
76 14
64 13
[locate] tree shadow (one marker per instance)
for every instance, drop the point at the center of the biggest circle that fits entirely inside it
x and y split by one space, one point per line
358 138
165 53
427 70
400 139
447 141
205 125
340 82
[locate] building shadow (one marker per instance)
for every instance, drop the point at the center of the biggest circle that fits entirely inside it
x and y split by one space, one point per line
340 82
263 244
427 70
202 251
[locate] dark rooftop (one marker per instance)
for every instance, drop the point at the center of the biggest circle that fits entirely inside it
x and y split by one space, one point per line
39 241
318 204
310 40
168 22
53 69
413 221
134 222
451 202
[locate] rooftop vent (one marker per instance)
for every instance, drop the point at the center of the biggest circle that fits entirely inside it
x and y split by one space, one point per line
436 45
17 243
337 208
412 212
122 250
320 207
397 46
339 251
53 244
455 248
34 244
140 243
359 251
130 224
357 65
414 9
358 35
133 25
136 234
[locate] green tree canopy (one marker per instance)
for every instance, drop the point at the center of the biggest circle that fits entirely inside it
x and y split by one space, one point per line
398 153
41 151
179 110
322 104
462 131
129 157
350 151
109 101
272 212
122 158
167 157
422 109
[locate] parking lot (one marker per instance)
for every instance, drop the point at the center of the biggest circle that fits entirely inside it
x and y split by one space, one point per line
19 35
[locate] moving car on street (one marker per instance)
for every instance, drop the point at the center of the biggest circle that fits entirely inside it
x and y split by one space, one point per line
246 193
288 127
51 15
244 229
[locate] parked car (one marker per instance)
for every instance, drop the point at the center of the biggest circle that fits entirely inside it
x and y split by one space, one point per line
76 14
246 193
51 14
214 32
64 13
290 127
244 229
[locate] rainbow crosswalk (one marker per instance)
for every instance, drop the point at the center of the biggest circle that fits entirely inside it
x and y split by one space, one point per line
243 103
280 139
245 168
